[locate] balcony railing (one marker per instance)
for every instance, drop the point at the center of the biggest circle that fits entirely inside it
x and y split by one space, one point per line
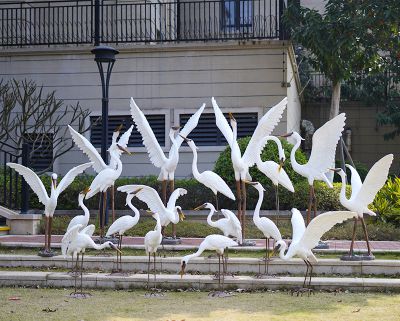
78 22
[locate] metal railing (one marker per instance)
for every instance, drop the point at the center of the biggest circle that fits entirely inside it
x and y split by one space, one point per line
81 21
14 190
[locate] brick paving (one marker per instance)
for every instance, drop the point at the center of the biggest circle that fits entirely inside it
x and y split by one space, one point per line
338 245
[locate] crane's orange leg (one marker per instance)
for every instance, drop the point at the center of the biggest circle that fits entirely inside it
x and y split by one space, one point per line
239 201
244 205
366 236
353 237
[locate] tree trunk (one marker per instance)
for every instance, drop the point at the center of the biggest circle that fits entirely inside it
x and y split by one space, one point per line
335 100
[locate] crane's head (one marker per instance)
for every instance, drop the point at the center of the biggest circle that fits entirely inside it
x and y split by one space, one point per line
295 135
190 142
280 246
203 206
232 119
123 149
113 246
174 130
131 195
256 185
340 171
184 262
179 210
54 180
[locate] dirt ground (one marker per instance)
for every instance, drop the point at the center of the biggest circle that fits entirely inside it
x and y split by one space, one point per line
56 304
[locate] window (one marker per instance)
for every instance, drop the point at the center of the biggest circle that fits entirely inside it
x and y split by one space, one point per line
237 14
207 133
157 123
42 147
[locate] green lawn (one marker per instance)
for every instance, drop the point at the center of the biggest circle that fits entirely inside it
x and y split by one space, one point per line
36 304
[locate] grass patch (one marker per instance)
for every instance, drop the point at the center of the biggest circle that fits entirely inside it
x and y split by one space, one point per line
378 231
107 305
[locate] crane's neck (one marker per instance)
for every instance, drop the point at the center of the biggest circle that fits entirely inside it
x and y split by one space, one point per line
288 254
265 142
256 215
135 210
83 206
158 226
92 244
293 161
196 254
194 163
342 196
116 158
236 154
209 221
173 154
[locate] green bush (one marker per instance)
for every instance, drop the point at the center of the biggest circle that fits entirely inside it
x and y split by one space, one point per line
224 168
361 168
387 202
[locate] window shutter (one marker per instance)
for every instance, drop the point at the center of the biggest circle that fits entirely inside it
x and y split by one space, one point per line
42 151
157 123
207 133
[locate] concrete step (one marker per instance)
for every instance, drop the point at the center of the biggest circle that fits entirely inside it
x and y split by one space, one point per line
201 282
210 265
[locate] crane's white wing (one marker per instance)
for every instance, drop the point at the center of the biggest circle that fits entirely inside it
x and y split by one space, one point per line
374 181
214 181
153 148
123 142
189 126
87 148
147 194
214 241
356 182
70 176
89 230
324 143
233 218
174 196
264 128
298 225
222 123
322 224
33 181
70 235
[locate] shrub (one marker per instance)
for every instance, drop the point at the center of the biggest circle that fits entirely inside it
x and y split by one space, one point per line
387 202
361 168
224 168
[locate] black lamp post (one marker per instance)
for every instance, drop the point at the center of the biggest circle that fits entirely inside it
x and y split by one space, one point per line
105 59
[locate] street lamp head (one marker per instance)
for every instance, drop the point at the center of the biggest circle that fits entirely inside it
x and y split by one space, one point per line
104 53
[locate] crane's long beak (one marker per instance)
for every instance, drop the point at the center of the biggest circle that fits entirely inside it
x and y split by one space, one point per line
176 128
336 170
231 116
198 208
184 138
281 164
115 248
137 191
251 183
181 215
124 149
54 181
118 128
286 135
182 271
85 190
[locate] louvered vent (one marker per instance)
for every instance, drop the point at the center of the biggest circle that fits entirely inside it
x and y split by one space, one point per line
207 133
42 148
157 123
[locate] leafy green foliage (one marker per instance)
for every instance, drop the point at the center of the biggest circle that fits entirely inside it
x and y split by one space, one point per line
387 202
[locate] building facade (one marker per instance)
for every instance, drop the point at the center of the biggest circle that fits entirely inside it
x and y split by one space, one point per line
173 57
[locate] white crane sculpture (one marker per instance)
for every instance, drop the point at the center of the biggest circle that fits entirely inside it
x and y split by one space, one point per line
242 163
322 156
157 157
152 241
98 163
229 225
265 225
363 194
208 178
274 171
305 239
106 179
81 219
168 214
123 224
50 203
75 242
213 242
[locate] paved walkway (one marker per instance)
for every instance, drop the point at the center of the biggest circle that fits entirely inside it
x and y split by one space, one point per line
334 245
